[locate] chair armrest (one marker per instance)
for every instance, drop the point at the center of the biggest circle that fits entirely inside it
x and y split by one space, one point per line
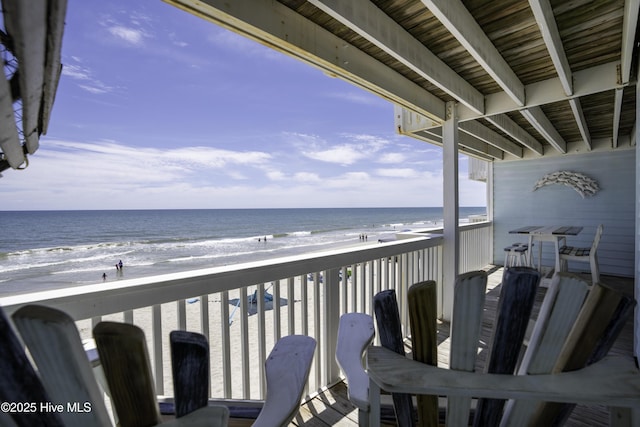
614 381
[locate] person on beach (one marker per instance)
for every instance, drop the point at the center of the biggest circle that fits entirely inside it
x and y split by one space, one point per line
120 265
104 277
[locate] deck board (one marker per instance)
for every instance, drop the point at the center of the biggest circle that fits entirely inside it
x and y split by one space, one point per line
332 408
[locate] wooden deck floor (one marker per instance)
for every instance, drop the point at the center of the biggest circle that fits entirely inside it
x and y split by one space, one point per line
332 408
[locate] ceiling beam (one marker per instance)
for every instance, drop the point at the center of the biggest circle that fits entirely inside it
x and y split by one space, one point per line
468 143
277 26
457 20
541 123
485 134
617 111
368 21
629 25
511 128
543 13
576 108
585 82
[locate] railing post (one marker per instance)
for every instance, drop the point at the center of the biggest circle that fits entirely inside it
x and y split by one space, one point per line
332 318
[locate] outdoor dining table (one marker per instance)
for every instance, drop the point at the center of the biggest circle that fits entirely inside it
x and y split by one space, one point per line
547 233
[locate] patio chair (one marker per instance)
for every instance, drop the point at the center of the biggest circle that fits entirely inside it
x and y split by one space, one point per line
56 348
287 370
20 386
574 329
570 253
124 357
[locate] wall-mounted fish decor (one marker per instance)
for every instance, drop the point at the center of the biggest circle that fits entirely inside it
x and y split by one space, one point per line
584 185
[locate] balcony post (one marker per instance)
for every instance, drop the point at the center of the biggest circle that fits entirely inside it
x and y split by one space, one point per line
450 259
332 313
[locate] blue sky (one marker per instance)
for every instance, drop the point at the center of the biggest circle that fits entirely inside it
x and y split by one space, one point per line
159 109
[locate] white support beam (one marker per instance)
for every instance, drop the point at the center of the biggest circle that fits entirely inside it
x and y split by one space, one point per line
576 107
585 82
451 249
543 13
538 120
457 19
366 19
485 134
511 128
617 111
277 26
629 24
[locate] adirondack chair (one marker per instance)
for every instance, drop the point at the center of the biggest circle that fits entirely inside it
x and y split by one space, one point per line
574 330
123 354
56 348
287 371
20 386
356 332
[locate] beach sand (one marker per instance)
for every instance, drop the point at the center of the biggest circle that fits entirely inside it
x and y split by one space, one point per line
143 319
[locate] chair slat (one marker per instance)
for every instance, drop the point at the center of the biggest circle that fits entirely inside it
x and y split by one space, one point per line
422 300
20 383
519 286
466 324
55 345
385 306
125 359
190 369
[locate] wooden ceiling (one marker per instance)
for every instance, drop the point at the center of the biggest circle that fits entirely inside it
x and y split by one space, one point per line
529 78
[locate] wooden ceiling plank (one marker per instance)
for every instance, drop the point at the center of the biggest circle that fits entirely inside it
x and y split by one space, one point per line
629 25
282 29
617 111
26 22
541 123
511 128
578 114
368 21
457 19
485 134
543 13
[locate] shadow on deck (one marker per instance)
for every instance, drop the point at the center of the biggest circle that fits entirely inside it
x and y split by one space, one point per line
332 408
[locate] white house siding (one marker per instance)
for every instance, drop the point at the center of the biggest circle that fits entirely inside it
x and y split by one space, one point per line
517 205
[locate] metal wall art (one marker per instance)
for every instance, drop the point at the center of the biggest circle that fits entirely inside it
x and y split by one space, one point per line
584 185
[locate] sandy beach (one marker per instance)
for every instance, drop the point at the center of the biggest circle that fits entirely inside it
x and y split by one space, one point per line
236 323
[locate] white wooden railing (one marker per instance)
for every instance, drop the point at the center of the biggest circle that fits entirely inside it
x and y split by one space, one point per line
309 293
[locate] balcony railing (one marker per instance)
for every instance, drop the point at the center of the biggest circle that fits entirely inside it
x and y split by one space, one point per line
243 309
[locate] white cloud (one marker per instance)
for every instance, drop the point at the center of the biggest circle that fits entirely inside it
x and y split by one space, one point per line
343 155
84 77
398 173
392 158
132 36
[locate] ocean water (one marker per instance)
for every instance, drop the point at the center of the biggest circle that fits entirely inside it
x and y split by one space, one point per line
52 249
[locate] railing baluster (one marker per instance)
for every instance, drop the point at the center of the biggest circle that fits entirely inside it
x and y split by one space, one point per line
128 316
225 341
277 332
244 344
156 320
182 315
317 323
304 308
291 305
262 335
